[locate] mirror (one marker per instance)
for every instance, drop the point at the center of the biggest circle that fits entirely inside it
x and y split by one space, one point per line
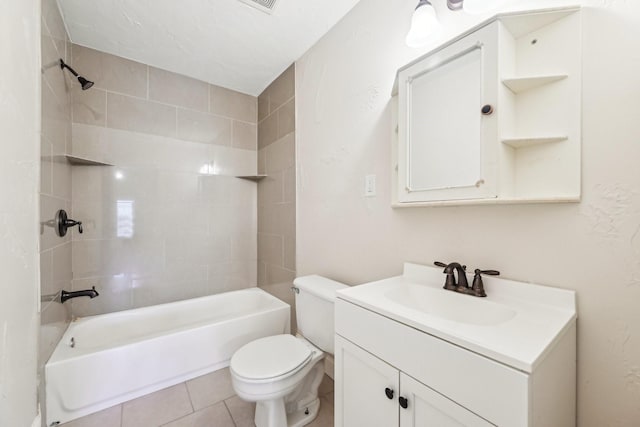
442 133
443 138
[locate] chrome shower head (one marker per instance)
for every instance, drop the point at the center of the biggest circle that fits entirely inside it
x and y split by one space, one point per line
86 84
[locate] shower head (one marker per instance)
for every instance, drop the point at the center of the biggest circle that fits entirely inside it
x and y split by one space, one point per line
86 84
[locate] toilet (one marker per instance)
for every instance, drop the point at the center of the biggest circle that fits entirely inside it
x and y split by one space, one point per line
282 373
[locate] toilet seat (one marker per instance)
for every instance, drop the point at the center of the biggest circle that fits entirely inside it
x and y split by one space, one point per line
269 358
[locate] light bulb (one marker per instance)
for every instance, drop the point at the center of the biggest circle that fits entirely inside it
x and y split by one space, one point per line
481 6
424 22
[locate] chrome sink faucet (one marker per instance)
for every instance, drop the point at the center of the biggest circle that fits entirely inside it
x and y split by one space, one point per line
462 286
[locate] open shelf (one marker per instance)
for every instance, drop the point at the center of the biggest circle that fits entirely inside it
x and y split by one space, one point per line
532 140
81 161
255 178
521 84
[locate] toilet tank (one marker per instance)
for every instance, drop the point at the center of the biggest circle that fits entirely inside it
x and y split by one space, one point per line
314 309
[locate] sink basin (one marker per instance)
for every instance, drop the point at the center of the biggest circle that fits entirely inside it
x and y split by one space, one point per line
450 305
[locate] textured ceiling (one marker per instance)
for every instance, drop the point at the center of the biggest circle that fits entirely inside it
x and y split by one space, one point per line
223 42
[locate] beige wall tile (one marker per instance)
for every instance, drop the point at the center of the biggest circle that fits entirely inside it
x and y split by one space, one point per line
157 408
245 135
55 117
279 275
216 415
232 104
262 161
175 89
281 154
46 166
262 273
286 118
61 178
61 267
244 246
51 51
203 127
46 273
277 219
290 253
263 105
282 89
116 294
53 24
211 388
270 249
89 106
267 131
271 189
125 112
91 142
110 72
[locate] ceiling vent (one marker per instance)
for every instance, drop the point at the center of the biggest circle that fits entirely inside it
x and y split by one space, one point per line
266 6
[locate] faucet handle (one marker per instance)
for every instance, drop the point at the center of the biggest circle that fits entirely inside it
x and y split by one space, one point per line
440 264
477 288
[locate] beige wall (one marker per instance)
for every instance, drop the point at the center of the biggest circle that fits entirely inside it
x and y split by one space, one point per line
176 145
55 178
276 192
19 179
343 87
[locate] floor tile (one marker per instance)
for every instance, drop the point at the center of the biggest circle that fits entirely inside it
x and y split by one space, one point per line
243 413
326 386
212 416
157 408
110 417
211 388
325 415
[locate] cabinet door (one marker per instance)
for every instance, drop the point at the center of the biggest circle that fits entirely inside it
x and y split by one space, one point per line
427 408
447 139
361 383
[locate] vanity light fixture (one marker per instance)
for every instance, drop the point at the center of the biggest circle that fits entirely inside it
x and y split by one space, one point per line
424 21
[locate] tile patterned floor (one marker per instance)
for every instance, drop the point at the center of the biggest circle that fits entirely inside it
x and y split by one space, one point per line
206 401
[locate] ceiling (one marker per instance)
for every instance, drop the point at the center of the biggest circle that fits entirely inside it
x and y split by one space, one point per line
224 42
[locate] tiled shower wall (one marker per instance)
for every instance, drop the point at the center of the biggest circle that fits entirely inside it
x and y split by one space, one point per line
276 192
169 220
55 178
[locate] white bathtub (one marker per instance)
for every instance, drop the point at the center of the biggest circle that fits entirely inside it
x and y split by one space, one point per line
120 356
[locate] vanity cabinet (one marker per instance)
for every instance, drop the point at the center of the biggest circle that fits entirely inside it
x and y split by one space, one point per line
374 393
445 381
492 116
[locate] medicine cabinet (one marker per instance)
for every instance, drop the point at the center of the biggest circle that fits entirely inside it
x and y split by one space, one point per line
493 116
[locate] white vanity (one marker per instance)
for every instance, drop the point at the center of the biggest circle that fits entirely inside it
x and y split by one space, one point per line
410 353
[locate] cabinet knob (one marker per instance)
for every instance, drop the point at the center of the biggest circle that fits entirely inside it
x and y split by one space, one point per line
389 393
403 402
486 109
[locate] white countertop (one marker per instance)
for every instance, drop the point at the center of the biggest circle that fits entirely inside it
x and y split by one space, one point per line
539 315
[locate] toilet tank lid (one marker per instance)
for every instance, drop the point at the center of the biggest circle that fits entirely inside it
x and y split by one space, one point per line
319 286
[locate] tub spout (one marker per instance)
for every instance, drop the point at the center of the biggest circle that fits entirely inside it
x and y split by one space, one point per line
91 293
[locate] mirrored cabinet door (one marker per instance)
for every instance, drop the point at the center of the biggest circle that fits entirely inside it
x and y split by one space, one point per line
447 131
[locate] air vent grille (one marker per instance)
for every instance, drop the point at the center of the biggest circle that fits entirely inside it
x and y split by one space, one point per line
266 6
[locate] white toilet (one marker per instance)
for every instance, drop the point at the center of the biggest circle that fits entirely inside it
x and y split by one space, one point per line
282 373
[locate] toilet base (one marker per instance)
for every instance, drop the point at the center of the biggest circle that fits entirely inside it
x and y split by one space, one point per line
271 413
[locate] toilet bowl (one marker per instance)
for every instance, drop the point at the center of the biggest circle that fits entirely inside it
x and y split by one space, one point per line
282 373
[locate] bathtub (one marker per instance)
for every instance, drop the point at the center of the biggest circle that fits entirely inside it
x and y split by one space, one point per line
108 359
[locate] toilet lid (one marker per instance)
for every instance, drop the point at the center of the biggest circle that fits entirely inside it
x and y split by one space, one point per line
270 357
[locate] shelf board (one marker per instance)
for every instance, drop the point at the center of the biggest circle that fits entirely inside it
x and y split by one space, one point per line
532 140
81 161
521 84
255 178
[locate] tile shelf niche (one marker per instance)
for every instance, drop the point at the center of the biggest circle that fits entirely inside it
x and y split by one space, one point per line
83 161
254 178
530 145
